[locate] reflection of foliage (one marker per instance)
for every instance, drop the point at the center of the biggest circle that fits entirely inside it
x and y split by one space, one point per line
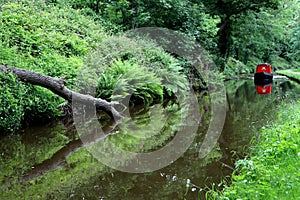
273 169
244 106
149 129
82 175
22 152
135 135
248 111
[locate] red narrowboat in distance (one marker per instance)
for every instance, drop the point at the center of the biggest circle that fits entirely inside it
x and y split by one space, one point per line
263 74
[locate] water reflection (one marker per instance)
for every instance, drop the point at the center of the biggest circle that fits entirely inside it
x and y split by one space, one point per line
264 89
80 175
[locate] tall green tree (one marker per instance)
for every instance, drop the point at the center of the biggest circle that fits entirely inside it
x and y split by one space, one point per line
265 36
295 41
187 16
295 32
228 10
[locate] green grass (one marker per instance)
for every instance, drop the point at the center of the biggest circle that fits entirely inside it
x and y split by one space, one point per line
272 170
294 73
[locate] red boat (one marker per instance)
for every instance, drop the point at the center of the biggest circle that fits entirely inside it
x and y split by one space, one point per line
263 74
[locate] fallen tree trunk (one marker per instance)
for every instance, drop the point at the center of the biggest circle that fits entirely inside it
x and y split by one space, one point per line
57 86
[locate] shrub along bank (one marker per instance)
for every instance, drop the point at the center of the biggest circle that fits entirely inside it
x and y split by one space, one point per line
44 39
272 170
60 41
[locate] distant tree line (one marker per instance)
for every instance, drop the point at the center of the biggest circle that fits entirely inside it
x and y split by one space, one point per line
236 32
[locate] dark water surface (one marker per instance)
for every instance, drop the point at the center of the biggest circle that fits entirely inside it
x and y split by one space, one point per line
49 162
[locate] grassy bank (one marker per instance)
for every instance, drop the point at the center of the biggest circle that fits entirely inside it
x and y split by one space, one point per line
272 170
293 74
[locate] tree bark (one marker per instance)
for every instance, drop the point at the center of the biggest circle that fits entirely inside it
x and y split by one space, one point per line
57 86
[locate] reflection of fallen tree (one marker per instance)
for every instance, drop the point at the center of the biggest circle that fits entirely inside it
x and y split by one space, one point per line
95 138
57 86
58 159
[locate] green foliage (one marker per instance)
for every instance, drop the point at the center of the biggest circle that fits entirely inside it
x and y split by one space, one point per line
187 16
228 11
122 79
235 67
249 31
122 66
45 39
54 30
295 74
272 170
55 40
295 40
234 7
11 106
22 103
268 41
257 31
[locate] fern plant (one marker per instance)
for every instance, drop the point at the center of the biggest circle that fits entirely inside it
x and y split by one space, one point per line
125 78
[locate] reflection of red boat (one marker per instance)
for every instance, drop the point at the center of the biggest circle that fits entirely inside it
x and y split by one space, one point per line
263 74
264 89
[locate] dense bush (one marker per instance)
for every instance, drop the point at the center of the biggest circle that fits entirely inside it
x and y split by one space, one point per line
122 79
56 40
45 39
131 66
187 16
235 67
11 109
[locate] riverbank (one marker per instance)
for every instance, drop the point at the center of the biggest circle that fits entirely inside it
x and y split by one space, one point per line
72 53
292 74
272 170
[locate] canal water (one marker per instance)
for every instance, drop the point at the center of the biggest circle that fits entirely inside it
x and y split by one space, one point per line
50 161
